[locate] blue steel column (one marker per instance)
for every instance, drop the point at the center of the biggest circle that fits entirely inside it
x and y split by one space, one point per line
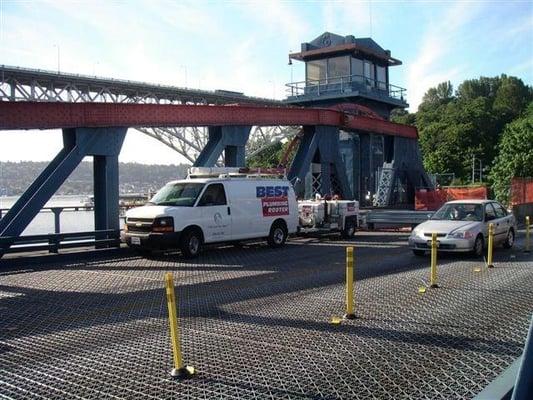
78 143
106 193
325 141
228 139
36 196
105 177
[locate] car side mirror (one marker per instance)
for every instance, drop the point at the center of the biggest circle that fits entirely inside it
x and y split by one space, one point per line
490 217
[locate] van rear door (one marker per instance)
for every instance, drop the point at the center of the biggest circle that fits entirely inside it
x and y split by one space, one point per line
216 214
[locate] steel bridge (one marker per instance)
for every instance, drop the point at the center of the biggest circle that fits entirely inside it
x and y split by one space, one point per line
24 84
344 137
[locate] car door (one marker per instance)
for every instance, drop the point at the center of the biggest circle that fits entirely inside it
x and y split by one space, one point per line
502 223
490 218
216 215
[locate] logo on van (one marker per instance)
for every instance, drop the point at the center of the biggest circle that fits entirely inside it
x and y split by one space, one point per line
218 218
271 191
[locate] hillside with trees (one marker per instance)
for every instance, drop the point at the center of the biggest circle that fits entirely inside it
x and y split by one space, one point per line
15 177
489 119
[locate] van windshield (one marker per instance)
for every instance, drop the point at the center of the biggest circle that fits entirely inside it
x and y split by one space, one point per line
177 194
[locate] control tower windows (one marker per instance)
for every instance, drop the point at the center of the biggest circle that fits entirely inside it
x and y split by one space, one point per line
381 77
338 67
369 73
357 70
316 71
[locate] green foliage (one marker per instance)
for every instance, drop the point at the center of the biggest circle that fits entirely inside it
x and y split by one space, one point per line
515 158
271 156
453 128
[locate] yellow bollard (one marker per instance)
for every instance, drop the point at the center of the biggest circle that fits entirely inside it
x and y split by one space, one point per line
433 272
527 249
179 371
349 284
490 246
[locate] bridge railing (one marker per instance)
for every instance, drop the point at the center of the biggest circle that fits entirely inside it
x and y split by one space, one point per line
52 242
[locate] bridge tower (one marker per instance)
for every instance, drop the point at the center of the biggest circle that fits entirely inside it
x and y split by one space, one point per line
352 74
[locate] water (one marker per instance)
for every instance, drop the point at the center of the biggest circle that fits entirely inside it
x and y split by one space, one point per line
70 221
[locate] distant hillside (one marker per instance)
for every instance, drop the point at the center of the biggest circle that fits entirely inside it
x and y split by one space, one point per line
15 177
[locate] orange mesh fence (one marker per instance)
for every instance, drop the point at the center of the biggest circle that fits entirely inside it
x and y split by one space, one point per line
431 200
521 191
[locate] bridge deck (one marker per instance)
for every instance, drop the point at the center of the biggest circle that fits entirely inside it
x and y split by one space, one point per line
255 324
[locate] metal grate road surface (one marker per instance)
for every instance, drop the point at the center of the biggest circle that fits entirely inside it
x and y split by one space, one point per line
254 322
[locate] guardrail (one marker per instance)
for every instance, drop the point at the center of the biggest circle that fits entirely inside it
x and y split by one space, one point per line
57 213
395 217
52 242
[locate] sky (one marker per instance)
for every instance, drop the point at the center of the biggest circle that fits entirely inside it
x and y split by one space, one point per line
243 46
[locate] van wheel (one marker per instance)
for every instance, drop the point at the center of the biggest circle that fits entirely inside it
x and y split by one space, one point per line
190 243
509 240
278 235
349 230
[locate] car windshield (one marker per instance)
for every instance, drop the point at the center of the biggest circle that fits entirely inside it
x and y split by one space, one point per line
177 194
459 212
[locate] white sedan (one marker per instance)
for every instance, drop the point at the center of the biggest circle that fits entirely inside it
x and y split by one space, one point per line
462 226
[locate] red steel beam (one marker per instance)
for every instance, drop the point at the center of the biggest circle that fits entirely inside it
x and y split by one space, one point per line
49 115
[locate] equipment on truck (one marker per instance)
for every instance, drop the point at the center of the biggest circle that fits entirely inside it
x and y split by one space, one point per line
323 215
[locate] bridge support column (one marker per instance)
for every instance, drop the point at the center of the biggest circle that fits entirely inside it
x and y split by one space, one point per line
105 145
228 139
320 144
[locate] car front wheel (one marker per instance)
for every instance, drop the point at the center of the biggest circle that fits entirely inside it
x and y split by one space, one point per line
478 246
509 241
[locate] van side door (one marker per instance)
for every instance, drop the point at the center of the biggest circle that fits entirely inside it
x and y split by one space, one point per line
216 216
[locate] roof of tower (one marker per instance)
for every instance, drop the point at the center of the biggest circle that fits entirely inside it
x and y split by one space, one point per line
330 44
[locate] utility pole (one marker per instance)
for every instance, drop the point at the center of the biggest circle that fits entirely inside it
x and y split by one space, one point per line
473 168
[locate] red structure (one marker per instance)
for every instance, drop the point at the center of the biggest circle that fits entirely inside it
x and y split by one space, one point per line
433 199
521 191
41 115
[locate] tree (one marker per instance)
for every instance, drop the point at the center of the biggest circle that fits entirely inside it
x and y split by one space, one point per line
455 128
515 157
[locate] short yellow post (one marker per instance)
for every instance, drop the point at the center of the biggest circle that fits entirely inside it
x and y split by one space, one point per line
179 371
433 272
527 250
490 246
349 284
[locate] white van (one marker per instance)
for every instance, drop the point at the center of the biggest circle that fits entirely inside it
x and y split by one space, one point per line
187 213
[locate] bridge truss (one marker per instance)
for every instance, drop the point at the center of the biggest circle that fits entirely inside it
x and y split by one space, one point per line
22 84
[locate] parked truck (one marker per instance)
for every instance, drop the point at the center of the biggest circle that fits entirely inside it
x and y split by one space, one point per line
215 205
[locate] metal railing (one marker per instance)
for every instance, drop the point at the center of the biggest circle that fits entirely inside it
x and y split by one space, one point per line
52 242
57 213
342 84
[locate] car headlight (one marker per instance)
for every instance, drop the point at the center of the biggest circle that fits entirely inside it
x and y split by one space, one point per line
461 235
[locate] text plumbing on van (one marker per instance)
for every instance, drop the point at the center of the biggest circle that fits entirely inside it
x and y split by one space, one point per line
214 205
